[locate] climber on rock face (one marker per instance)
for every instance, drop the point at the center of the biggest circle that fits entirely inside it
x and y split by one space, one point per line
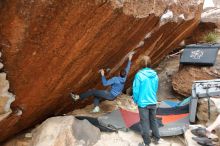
116 83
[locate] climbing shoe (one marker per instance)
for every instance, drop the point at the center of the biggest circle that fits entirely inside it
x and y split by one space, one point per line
74 96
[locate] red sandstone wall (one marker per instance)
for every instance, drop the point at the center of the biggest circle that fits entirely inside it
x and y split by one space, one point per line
53 47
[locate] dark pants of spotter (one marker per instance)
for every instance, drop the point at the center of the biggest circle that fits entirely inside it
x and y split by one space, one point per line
98 94
148 121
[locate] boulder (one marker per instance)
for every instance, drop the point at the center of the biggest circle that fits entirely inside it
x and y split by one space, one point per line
211 15
198 34
202 110
182 81
166 70
51 48
65 131
210 22
119 138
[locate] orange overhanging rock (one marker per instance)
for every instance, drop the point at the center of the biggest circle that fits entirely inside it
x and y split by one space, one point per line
52 47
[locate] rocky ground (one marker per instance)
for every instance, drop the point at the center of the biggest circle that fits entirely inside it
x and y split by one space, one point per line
44 134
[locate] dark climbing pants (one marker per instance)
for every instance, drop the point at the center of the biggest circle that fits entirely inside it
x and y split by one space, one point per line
98 95
148 121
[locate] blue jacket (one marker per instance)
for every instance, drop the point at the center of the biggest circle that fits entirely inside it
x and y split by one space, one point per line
145 87
117 83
